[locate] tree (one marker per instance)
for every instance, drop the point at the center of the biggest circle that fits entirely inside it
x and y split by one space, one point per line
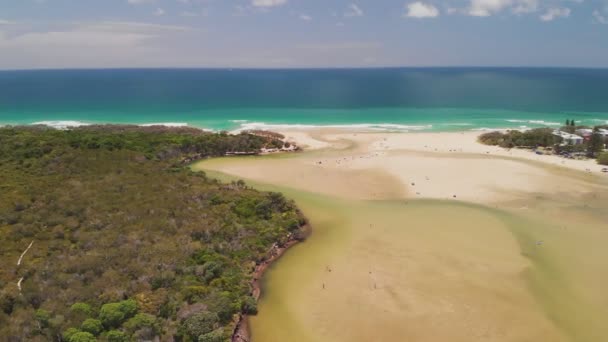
214 336
111 315
141 320
42 317
249 306
92 326
82 336
567 122
128 307
81 309
596 144
79 312
200 324
67 335
116 336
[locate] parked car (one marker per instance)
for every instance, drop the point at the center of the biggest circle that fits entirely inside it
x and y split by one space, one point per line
605 169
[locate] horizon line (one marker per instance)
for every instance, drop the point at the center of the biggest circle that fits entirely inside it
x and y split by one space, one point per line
308 68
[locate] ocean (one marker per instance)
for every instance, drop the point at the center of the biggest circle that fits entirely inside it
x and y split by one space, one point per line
389 99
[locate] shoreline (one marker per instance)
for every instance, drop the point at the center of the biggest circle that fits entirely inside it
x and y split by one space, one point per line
456 143
403 267
242 332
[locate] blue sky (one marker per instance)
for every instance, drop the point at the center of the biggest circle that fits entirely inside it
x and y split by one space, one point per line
302 33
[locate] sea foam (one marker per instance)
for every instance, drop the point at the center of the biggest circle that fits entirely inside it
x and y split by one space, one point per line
535 122
364 126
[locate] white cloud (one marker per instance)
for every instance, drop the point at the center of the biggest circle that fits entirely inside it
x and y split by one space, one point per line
98 34
159 11
554 13
485 8
599 17
525 6
354 11
95 44
421 10
305 17
268 3
339 24
139 2
6 22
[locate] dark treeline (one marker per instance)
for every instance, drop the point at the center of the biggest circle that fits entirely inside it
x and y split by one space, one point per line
128 244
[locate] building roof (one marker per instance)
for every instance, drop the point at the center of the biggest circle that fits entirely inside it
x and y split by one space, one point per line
567 135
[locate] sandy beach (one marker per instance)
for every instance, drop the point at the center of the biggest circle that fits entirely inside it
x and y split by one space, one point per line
418 165
432 237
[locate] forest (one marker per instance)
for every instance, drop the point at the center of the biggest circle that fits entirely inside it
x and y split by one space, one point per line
107 235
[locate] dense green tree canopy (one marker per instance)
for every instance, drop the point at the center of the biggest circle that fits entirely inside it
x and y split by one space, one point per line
124 234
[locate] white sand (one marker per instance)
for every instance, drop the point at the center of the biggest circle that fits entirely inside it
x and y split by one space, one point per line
439 165
426 270
305 140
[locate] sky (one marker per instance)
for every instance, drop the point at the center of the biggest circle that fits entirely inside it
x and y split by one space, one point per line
302 33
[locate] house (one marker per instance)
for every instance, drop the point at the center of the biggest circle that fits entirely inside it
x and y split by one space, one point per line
586 133
569 139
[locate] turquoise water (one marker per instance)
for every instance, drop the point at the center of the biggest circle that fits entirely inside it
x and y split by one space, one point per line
435 99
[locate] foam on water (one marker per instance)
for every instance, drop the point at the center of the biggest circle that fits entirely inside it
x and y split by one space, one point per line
364 126
535 122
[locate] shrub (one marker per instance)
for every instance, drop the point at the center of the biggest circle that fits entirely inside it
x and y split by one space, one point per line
194 293
111 315
69 333
81 309
116 336
43 317
141 320
200 324
92 326
128 307
530 138
249 306
214 336
82 336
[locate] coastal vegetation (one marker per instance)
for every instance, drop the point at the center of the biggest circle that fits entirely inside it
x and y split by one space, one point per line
107 235
603 158
592 146
514 138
